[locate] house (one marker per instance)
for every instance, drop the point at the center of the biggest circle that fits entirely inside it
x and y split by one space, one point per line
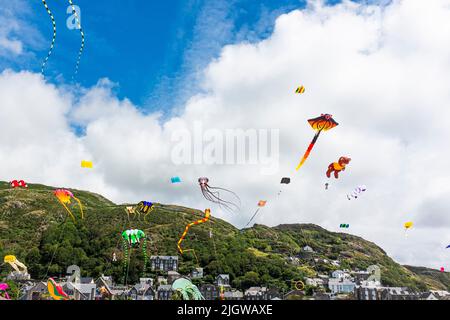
308 249
223 280
164 292
143 290
341 285
440 294
172 276
104 288
261 293
428 296
164 263
340 274
367 290
210 291
234 295
314 282
84 291
361 276
397 293
197 273
38 291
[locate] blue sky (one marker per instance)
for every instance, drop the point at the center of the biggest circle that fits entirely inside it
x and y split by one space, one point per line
152 49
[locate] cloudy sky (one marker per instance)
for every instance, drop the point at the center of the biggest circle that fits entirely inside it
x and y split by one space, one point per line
381 68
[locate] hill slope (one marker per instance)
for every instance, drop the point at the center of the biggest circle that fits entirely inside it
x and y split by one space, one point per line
34 227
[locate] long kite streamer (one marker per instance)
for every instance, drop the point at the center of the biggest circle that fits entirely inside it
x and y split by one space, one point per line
54 36
203 220
323 123
80 53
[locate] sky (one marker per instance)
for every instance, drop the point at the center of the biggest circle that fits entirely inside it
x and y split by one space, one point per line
156 75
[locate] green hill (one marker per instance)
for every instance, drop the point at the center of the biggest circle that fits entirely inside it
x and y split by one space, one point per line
35 227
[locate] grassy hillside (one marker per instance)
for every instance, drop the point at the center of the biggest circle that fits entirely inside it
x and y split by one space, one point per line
34 227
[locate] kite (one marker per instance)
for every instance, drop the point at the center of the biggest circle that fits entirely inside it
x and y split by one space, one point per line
211 194
203 220
64 196
356 192
4 287
18 184
132 238
284 181
337 167
18 266
146 207
82 36
344 226
323 123
261 204
86 164
186 290
175 179
408 225
442 269
448 246
54 36
326 186
300 90
56 291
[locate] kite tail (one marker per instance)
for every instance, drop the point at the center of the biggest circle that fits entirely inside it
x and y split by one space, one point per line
54 36
308 151
182 238
144 252
125 258
203 220
80 53
70 213
81 207
148 212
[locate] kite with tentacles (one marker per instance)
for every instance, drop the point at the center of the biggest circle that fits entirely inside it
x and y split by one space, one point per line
357 192
64 196
213 194
323 123
184 289
203 220
133 238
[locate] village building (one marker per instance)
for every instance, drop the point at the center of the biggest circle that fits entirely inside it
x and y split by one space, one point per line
164 263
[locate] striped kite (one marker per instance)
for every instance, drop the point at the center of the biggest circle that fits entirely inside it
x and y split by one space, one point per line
300 90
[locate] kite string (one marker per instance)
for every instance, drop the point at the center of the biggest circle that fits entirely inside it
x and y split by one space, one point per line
54 36
82 36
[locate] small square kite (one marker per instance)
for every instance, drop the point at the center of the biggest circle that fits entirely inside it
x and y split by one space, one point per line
86 164
175 179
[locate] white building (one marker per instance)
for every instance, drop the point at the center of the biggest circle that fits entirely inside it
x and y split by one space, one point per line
341 285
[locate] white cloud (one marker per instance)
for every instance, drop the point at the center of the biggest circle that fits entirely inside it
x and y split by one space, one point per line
383 72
